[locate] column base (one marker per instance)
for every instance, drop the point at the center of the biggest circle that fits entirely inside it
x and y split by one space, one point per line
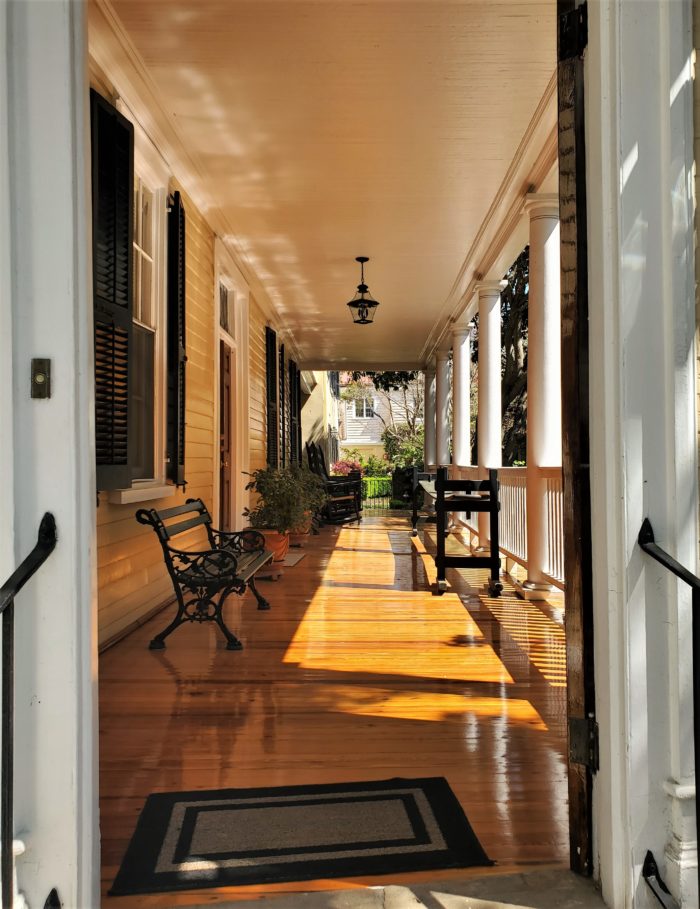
681 851
529 590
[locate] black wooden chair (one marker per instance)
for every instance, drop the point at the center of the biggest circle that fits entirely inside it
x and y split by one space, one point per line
203 579
344 494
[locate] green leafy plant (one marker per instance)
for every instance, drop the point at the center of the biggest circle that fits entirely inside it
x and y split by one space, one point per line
404 446
311 486
282 499
376 487
376 467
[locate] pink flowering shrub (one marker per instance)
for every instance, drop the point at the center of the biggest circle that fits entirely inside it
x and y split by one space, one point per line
346 466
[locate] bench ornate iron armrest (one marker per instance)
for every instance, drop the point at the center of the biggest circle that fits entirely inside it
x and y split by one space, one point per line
203 579
236 541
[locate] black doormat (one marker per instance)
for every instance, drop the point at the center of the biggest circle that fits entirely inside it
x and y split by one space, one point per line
225 837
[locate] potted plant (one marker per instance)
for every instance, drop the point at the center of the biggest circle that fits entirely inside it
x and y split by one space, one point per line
278 509
313 496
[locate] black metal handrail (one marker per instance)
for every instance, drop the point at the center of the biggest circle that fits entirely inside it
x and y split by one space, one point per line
45 545
651 547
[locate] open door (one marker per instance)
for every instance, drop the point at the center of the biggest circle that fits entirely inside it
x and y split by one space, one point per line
225 440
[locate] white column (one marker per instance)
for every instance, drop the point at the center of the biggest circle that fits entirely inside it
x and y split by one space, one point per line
461 391
442 405
430 450
543 378
489 439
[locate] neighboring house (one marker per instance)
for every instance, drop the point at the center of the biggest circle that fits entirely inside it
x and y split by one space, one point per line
361 424
320 411
364 419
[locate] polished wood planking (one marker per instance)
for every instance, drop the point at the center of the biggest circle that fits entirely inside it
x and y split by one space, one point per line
358 672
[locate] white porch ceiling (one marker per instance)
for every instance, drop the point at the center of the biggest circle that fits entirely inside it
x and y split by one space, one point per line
330 129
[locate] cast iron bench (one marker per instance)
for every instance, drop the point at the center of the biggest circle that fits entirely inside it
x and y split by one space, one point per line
203 579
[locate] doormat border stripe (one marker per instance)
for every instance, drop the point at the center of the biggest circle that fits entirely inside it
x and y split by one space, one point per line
461 849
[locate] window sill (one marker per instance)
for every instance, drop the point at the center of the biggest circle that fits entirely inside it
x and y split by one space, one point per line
140 494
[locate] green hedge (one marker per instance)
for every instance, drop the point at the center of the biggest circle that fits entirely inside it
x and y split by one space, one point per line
376 487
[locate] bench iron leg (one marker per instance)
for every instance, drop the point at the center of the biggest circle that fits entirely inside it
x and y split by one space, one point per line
262 602
158 642
232 642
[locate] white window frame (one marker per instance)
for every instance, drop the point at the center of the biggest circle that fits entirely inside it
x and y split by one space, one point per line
365 402
151 168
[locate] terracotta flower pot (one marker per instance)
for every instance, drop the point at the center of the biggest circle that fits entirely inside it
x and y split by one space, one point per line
299 535
277 543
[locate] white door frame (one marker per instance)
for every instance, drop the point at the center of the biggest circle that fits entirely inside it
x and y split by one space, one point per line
226 272
49 444
644 458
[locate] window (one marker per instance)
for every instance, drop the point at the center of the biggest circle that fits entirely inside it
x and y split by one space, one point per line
364 408
143 335
226 311
139 349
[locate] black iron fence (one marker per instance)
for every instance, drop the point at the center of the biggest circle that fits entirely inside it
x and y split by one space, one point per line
376 492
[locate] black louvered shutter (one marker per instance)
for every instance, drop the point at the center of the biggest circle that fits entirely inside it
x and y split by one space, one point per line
299 434
112 274
294 412
282 410
177 358
271 395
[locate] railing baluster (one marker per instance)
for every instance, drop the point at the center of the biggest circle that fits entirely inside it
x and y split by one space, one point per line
44 547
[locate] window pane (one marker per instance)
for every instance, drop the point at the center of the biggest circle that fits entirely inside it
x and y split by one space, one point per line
137 209
141 409
146 307
146 220
223 308
137 285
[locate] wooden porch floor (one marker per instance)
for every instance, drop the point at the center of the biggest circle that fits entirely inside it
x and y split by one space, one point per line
356 673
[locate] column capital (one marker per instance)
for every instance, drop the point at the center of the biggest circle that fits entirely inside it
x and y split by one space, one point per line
441 355
542 205
490 288
461 330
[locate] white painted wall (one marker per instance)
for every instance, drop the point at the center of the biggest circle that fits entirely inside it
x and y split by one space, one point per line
643 443
51 443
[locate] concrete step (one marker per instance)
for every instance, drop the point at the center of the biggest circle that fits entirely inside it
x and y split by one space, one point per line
533 890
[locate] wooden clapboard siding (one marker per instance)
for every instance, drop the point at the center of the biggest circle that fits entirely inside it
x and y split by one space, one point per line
258 410
131 577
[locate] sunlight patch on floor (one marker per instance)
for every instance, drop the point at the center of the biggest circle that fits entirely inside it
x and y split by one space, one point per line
541 638
422 636
433 707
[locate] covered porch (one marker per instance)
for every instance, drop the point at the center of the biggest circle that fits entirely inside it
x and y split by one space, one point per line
358 673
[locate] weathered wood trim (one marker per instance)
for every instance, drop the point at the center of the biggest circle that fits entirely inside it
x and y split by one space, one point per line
575 438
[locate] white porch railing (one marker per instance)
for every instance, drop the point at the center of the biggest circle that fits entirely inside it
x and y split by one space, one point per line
513 516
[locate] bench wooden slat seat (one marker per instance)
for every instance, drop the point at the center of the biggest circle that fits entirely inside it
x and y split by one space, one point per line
203 579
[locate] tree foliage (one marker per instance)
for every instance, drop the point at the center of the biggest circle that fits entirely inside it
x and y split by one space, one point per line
513 359
387 381
403 445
